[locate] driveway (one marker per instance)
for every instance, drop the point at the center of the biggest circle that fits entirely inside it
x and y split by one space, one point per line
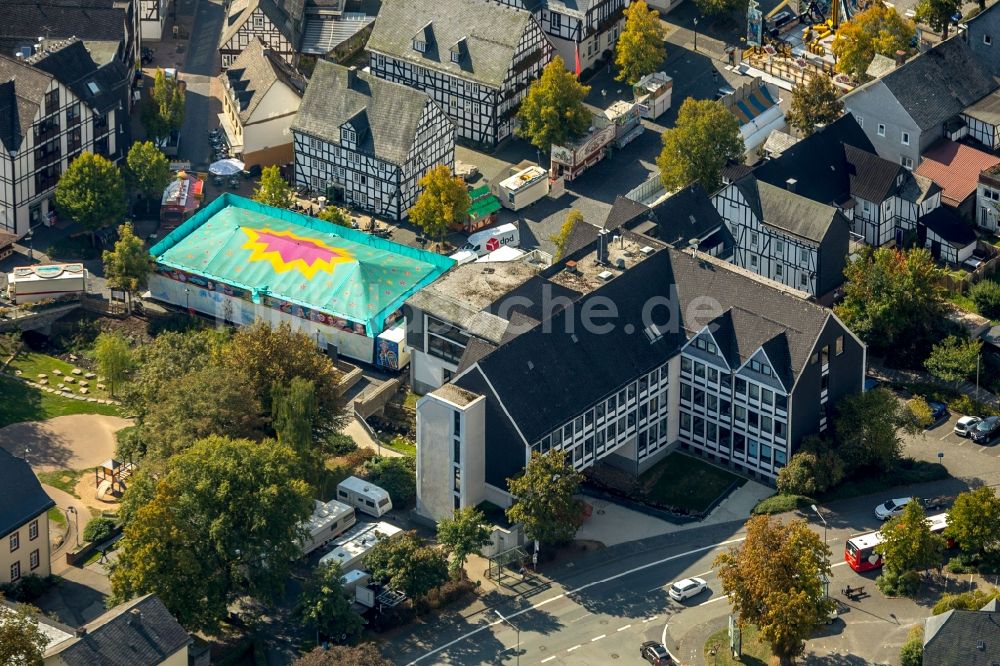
78 441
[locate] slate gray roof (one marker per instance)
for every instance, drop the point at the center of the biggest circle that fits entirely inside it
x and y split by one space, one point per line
23 21
23 497
685 215
392 111
946 222
253 73
491 32
869 176
939 83
624 212
954 638
22 92
792 213
987 109
139 632
545 375
71 64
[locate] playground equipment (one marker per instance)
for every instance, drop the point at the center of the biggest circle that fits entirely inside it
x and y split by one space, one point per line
110 477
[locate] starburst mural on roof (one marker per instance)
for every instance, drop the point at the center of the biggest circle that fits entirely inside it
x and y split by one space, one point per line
285 251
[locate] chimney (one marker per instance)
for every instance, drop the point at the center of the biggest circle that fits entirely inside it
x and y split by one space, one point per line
135 615
80 632
602 246
790 184
900 57
352 77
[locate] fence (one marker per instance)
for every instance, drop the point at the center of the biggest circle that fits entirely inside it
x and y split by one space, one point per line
648 191
960 281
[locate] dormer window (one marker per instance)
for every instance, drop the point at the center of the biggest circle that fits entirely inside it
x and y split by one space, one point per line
419 45
455 56
347 135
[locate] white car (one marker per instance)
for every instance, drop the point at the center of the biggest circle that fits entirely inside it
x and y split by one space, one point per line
891 508
684 589
966 425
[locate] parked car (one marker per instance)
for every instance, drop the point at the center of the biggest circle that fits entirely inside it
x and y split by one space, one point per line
966 425
655 653
891 508
684 589
939 410
986 431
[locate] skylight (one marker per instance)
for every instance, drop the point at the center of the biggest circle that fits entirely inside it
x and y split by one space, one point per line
93 87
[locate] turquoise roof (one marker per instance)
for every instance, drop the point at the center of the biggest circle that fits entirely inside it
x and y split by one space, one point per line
289 256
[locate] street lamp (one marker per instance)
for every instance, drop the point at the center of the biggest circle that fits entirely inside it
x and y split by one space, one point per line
31 244
816 509
76 520
696 33
515 628
187 299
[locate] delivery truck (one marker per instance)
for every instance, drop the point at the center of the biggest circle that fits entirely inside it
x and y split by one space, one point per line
486 241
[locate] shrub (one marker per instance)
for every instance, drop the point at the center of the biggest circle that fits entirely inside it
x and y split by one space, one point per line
781 504
912 652
356 459
971 600
960 564
921 411
910 471
986 296
99 530
28 589
963 404
339 444
398 476
895 584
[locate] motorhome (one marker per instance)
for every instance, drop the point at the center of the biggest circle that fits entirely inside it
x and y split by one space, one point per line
327 522
354 578
364 496
352 552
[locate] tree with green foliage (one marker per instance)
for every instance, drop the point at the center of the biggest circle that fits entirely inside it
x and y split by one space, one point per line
937 14
293 415
273 190
573 218
405 563
365 654
774 580
892 301
335 215
877 30
922 414
396 475
222 524
464 534
22 643
552 113
443 203
113 354
971 600
164 112
148 170
99 529
974 521
813 470
868 429
544 501
704 139
639 50
720 7
326 607
912 652
907 545
954 360
91 192
815 102
986 296
127 266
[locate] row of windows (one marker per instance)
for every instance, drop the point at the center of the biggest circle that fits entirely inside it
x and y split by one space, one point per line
715 407
823 355
15 537
717 437
15 569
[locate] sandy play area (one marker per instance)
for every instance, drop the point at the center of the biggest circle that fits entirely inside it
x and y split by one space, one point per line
78 441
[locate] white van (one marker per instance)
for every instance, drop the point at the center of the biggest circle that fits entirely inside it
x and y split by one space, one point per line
488 240
327 522
364 496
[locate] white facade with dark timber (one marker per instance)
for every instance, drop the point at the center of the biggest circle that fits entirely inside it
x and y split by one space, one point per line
152 17
475 58
277 23
587 30
53 107
368 142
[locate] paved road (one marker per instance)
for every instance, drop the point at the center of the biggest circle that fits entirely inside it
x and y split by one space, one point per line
200 67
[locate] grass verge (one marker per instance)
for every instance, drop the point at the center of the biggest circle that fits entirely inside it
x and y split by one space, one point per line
26 403
755 651
56 516
782 504
682 482
31 364
400 445
64 479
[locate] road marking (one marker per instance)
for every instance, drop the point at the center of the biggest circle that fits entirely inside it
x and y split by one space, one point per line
548 659
838 564
580 618
649 619
712 601
623 628
597 638
945 437
575 647
586 586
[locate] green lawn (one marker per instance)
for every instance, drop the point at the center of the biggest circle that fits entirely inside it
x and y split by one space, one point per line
56 516
400 445
64 479
683 482
31 364
25 403
754 650
411 400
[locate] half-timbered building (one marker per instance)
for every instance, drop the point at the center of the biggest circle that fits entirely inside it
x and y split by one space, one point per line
53 106
475 58
582 33
367 141
153 17
277 23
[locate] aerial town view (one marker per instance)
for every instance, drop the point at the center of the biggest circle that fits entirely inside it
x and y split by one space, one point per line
565 332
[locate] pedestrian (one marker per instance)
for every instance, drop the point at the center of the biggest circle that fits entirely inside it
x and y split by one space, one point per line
104 556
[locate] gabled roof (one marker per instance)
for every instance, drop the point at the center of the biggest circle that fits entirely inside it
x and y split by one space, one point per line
491 32
22 93
949 225
253 73
336 95
101 87
962 638
623 213
23 495
139 632
288 16
788 211
871 177
26 20
686 215
545 375
939 83
956 168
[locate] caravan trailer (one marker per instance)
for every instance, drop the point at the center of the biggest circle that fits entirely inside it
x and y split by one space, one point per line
364 496
351 552
327 522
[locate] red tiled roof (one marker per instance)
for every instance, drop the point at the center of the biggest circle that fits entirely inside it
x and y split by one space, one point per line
956 168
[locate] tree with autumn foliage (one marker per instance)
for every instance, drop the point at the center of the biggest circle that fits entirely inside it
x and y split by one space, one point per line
815 102
938 14
443 203
704 139
877 30
774 580
639 50
552 112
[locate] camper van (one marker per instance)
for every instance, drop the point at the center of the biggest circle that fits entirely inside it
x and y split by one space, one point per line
352 552
363 496
327 522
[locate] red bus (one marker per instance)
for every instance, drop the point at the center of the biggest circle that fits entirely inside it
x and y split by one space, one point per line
860 551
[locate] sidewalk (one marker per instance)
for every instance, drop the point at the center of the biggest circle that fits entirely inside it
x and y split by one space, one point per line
913 377
356 431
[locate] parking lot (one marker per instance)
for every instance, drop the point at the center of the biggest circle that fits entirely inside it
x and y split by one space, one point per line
963 458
